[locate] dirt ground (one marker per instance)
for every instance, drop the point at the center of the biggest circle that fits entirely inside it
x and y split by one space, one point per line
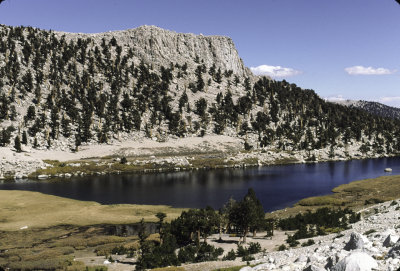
122 263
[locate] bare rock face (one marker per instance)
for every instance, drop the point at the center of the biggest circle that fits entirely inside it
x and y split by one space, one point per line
313 268
157 46
357 241
356 261
390 240
394 252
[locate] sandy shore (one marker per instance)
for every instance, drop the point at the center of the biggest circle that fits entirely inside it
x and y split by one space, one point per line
31 159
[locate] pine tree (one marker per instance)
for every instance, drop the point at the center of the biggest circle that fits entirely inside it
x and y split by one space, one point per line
24 138
35 143
17 144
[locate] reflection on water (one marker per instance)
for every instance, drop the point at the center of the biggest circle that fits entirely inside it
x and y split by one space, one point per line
276 186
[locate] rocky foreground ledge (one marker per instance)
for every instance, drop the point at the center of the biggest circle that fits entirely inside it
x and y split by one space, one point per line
371 244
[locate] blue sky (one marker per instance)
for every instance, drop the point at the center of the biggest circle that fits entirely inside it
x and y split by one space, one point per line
341 48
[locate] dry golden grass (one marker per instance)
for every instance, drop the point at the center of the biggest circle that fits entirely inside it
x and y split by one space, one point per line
354 195
37 210
172 268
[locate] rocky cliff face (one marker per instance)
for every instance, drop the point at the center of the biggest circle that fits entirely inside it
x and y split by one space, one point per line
159 47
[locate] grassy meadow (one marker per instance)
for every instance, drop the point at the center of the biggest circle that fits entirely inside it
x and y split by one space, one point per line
38 230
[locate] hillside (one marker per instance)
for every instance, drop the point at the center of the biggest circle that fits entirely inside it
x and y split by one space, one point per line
374 108
60 91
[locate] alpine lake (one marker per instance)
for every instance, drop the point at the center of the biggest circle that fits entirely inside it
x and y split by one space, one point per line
277 187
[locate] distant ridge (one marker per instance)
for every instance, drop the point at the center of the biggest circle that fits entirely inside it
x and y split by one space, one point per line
375 108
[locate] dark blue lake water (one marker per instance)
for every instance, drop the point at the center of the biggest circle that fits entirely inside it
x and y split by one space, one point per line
276 186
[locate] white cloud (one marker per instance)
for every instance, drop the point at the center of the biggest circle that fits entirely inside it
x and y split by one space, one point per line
274 71
361 70
337 98
391 101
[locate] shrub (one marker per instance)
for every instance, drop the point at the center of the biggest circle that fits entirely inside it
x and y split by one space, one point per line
241 251
247 146
369 232
208 252
292 241
254 248
282 247
124 160
187 254
230 256
323 220
247 258
310 242
373 201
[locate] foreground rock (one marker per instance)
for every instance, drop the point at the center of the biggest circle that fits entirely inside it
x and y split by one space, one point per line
357 261
357 241
370 244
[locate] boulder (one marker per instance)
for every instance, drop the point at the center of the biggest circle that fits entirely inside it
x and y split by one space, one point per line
43 176
357 241
313 268
332 260
394 252
246 268
264 266
302 258
390 240
356 261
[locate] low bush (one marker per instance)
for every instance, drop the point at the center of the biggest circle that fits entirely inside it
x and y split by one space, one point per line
282 247
292 242
373 201
254 248
247 258
322 221
208 252
187 254
242 251
230 256
310 242
369 232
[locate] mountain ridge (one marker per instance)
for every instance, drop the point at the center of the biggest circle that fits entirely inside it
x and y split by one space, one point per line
59 91
375 108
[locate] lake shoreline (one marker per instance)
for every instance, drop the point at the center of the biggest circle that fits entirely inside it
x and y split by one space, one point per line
146 155
109 166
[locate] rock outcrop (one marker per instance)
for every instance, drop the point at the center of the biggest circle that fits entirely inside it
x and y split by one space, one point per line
356 261
159 47
390 240
357 241
349 251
